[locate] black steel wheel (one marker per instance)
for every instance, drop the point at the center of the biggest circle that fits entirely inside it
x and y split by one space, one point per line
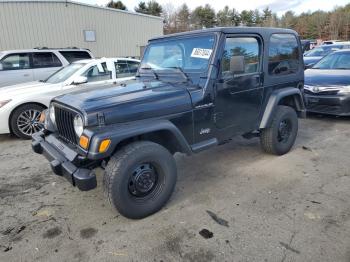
280 137
140 178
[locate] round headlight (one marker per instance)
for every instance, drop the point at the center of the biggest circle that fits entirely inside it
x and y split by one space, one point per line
52 114
78 125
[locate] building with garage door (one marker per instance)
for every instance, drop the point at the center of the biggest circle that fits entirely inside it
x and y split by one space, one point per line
106 32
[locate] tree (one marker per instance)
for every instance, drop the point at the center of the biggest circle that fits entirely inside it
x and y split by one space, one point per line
154 8
151 8
224 17
247 18
266 17
203 17
170 19
141 8
257 18
116 5
183 18
288 20
236 18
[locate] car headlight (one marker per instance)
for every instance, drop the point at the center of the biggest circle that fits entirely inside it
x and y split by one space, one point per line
307 87
52 114
4 102
344 90
78 125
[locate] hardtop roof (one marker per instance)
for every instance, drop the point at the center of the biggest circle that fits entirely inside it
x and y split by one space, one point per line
231 30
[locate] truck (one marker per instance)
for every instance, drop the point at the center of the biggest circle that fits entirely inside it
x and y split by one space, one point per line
193 91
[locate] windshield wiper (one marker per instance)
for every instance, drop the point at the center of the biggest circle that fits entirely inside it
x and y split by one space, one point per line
152 70
181 71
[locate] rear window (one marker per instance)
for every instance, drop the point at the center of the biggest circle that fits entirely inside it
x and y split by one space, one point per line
73 56
43 60
283 54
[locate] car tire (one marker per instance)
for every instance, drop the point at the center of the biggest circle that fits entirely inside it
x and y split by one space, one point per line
140 178
31 114
279 138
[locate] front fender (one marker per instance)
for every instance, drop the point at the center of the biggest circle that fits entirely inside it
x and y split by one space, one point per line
119 132
274 100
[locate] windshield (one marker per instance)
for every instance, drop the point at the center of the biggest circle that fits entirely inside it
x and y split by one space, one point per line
334 61
64 73
188 55
322 51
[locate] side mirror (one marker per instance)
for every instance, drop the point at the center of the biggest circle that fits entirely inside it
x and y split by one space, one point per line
1 67
80 80
237 64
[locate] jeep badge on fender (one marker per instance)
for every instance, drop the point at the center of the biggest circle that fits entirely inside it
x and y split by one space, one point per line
193 90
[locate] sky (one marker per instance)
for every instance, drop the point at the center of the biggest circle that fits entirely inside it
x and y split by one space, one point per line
278 6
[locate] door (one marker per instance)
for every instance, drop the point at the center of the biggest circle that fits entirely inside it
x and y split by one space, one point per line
15 69
239 88
44 65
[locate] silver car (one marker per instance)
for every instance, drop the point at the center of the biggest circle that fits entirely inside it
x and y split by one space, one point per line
20 66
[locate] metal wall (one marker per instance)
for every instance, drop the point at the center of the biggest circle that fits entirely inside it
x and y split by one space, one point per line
28 24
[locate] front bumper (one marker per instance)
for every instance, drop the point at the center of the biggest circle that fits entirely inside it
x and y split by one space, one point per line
328 104
62 159
4 121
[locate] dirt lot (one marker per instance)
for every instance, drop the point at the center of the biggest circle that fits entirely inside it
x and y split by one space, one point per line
258 207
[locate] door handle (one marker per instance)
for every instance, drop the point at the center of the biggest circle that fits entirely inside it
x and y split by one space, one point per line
26 75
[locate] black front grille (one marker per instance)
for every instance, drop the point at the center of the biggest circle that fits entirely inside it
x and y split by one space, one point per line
65 125
323 93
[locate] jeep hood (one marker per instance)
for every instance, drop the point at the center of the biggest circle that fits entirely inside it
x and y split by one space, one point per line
129 101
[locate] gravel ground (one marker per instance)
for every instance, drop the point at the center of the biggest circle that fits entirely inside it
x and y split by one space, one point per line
231 203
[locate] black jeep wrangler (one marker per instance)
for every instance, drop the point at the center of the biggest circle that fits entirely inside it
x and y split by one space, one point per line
193 90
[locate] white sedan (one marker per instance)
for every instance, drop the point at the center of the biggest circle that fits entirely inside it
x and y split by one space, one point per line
21 105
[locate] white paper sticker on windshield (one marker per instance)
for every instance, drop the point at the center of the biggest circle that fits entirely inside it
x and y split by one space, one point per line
201 53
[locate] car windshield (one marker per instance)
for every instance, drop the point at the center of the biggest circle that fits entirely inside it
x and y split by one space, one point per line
322 50
64 73
186 55
334 61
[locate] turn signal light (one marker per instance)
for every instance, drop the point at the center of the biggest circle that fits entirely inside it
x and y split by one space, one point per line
84 142
42 117
104 145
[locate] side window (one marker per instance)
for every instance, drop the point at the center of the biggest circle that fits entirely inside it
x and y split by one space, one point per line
283 54
122 70
133 66
73 56
15 62
94 75
241 56
42 60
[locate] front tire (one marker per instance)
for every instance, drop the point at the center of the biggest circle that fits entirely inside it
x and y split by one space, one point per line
279 138
140 178
24 120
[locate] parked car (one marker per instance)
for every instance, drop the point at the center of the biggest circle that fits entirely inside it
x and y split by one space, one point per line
21 105
331 42
20 66
308 44
193 91
327 85
313 56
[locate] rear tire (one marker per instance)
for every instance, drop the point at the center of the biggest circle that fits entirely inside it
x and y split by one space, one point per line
279 138
140 178
24 120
